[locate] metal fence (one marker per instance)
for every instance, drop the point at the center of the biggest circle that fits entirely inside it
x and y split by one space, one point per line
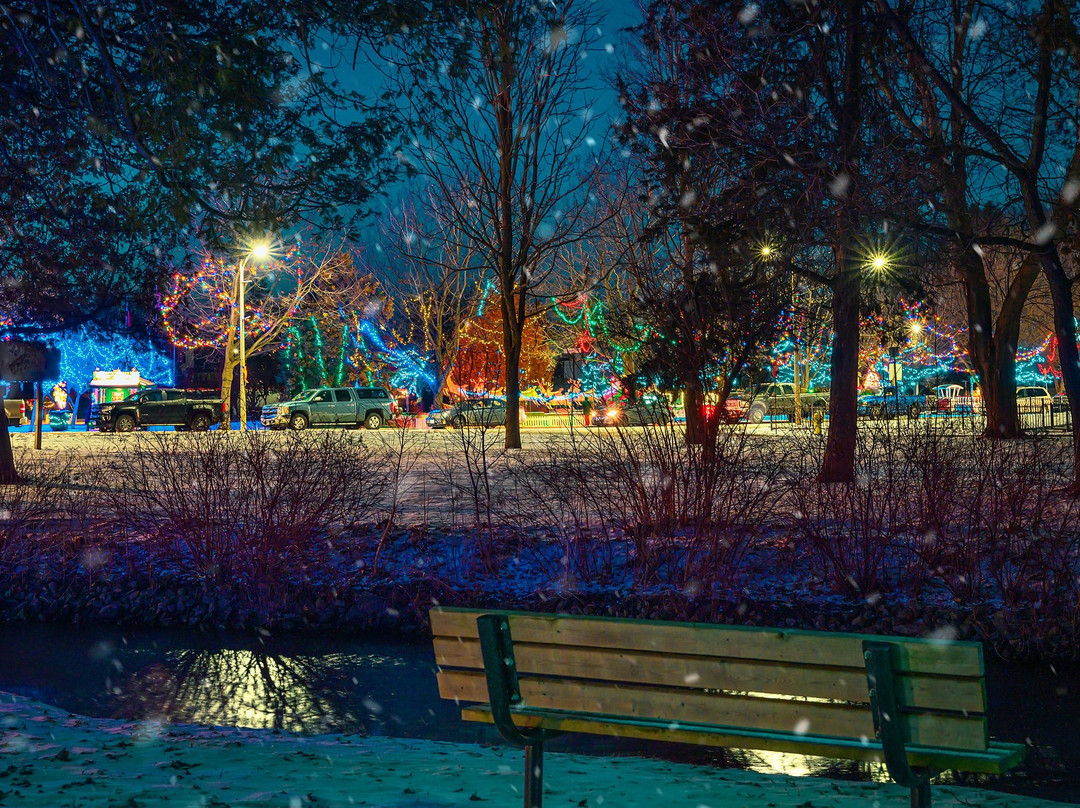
553 420
1054 418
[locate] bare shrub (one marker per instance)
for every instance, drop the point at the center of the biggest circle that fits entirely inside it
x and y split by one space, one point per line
246 506
472 471
937 502
854 529
559 489
402 454
48 511
687 511
1010 512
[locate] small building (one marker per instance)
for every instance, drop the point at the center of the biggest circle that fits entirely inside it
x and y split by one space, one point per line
109 386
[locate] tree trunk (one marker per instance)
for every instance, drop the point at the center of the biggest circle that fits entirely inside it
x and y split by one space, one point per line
227 374
838 465
992 346
512 363
9 475
696 431
1068 354
229 369
796 416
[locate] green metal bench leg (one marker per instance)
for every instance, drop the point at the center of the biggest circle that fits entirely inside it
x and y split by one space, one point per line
534 775
920 795
500 669
884 704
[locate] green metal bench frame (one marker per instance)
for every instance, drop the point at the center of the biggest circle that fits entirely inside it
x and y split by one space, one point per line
501 675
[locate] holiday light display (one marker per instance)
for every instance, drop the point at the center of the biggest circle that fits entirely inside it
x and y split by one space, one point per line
933 351
88 349
199 302
352 347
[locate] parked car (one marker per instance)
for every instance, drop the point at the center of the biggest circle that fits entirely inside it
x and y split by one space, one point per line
332 406
472 412
15 411
1033 399
163 406
778 398
887 403
638 413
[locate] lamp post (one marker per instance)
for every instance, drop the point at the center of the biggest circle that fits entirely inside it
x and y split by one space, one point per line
258 252
766 252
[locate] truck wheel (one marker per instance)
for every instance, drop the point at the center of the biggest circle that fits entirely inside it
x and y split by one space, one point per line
299 422
373 420
200 422
125 423
804 411
458 422
877 412
756 415
913 411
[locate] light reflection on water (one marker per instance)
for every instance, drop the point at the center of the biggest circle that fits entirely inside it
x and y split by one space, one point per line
314 684
253 688
801 765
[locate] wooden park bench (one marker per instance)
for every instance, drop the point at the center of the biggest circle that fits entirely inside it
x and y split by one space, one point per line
919 705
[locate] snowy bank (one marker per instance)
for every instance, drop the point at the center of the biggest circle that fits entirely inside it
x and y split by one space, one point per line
49 757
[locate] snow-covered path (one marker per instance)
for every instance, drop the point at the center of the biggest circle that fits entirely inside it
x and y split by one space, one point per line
51 758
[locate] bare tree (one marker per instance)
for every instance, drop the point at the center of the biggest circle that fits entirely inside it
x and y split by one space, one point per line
757 114
977 223
1015 121
502 111
438 280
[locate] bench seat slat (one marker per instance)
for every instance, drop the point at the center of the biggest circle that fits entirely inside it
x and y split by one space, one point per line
645 667
683 705
996 759
776 645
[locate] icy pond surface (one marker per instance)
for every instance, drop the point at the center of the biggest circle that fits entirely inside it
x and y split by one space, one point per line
381 686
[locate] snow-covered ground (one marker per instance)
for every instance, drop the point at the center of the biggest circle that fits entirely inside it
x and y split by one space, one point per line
49 757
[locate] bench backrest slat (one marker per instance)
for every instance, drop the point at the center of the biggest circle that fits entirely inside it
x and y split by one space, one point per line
766 679
720 709
733 642
919 691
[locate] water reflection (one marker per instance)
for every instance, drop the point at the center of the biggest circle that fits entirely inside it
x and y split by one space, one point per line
801 765
256 688
297 684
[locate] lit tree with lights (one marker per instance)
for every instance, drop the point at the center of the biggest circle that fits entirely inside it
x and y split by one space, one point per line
480 364
340 345
201 308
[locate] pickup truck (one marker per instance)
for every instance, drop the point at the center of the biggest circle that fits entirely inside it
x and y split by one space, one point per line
778 398
163 406
325 406
885 403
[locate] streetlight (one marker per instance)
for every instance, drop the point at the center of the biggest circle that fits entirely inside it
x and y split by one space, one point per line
766 251
258 251
880 262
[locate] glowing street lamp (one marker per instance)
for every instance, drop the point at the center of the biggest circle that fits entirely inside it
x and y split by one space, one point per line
879 262
258 251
